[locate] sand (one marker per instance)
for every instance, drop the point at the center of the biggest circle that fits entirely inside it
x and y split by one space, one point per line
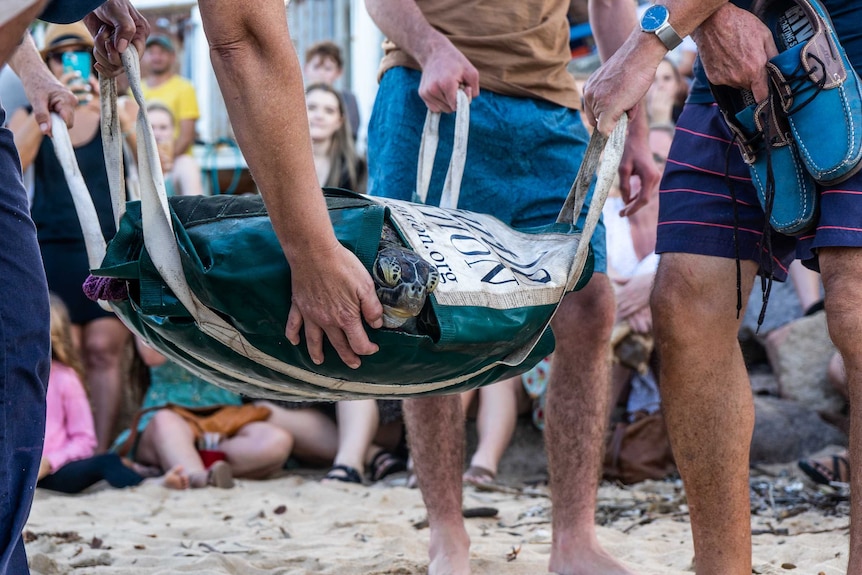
296 525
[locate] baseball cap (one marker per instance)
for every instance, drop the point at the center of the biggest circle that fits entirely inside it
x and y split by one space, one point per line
62 35
162 41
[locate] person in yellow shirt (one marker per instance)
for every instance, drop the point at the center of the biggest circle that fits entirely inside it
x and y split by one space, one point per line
163 84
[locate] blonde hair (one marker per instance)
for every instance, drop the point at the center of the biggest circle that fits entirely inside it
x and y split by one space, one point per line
62 346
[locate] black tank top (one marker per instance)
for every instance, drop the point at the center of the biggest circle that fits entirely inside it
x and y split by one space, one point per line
53 210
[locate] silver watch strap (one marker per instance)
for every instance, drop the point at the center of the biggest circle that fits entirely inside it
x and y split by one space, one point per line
668 37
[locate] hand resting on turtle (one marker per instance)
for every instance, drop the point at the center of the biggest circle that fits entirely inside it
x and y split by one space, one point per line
402 280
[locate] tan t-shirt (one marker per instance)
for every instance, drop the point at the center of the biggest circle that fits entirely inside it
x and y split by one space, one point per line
520 48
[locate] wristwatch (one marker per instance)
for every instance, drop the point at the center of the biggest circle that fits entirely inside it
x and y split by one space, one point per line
655 21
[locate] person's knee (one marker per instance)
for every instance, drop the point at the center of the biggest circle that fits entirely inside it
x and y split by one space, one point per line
588 311
168 425
278 442
268 437
843 302
684 302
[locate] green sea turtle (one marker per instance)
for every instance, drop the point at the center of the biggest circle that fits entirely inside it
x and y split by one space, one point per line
403 280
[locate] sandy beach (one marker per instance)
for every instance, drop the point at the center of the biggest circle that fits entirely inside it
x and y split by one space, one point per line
294 525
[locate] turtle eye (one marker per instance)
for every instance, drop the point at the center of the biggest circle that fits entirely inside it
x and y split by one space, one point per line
391 271
433 280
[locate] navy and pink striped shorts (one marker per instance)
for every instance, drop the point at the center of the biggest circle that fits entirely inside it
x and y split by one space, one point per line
696 213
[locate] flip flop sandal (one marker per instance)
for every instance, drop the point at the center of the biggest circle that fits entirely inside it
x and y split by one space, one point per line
479 476
343 473
386 463
220 475
822 474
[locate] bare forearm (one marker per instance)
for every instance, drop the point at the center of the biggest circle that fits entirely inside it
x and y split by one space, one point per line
611 21
27 63
623 80
15 28
405 25
259 75
605 16
25 60
687 15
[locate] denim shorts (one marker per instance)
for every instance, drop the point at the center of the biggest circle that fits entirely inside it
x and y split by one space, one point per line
696 214
522 154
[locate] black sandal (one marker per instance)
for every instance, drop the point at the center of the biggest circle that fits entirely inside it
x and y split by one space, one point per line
385 463
343 473
820 472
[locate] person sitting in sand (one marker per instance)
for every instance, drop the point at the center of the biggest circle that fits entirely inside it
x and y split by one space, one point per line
68 462
181 410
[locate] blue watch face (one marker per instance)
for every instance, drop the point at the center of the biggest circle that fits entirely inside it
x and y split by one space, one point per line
653 18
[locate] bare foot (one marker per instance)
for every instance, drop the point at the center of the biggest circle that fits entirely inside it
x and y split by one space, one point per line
175 478
587 562
449 551
141 469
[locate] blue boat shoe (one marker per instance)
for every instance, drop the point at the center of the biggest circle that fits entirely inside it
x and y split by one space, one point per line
787 192
818 89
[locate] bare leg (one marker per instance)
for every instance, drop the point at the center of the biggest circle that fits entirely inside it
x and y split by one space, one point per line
315 437
707 402
168 441
467 402
837 375
841 269
104 345
575 421
258 450
358 421
496 421
435 427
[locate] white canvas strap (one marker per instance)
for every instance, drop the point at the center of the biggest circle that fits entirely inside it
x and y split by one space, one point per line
602 158
428 151
592 164
112 144
93 238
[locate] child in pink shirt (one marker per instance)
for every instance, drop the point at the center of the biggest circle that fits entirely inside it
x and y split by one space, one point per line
68 461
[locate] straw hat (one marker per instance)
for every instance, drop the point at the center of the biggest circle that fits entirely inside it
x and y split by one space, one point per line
62 35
